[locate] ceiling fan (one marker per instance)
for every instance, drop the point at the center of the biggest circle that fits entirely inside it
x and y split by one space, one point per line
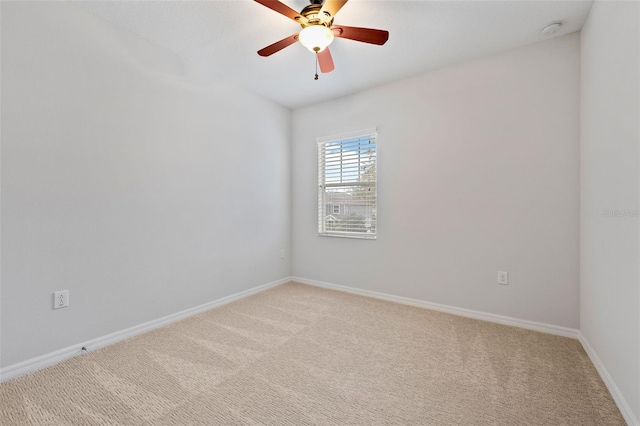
318 30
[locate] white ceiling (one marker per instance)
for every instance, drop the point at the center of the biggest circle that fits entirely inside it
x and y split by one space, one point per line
224 36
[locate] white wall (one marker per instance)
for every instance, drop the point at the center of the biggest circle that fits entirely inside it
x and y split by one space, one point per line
478 172
139 183
610 180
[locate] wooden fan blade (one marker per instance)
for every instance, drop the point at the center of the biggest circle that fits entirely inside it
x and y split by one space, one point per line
332 6
283 9
278 45
326 61
365 35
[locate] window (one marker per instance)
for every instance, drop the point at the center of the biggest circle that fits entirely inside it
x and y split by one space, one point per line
347 178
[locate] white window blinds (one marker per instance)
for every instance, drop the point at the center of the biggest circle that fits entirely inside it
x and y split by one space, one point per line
347 178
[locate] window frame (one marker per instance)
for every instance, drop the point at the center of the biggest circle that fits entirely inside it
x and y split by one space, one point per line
370 136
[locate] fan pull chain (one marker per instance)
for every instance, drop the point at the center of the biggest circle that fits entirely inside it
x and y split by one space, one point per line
316 77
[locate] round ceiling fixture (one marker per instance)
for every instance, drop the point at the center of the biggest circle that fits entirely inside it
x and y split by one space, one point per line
316 37
552 28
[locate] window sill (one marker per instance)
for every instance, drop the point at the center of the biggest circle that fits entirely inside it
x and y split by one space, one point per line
354 236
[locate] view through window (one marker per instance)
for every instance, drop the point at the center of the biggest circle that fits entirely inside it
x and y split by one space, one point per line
347 178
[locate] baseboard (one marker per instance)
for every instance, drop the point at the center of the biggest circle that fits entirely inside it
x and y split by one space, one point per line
33 364
500 319
617 396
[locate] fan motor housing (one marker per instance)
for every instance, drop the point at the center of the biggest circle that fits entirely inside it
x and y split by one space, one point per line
314 17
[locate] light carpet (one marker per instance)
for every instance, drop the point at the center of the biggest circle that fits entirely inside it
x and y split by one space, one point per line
301 355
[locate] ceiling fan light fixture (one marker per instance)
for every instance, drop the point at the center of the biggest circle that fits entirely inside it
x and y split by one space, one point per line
316 38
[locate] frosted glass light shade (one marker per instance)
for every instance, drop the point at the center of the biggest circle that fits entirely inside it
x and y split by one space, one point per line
316 37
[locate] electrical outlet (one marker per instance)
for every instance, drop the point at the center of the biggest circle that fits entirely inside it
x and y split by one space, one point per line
503 278
281 253
60 299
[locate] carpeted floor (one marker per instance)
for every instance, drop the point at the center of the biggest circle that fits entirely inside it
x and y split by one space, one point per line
300 355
